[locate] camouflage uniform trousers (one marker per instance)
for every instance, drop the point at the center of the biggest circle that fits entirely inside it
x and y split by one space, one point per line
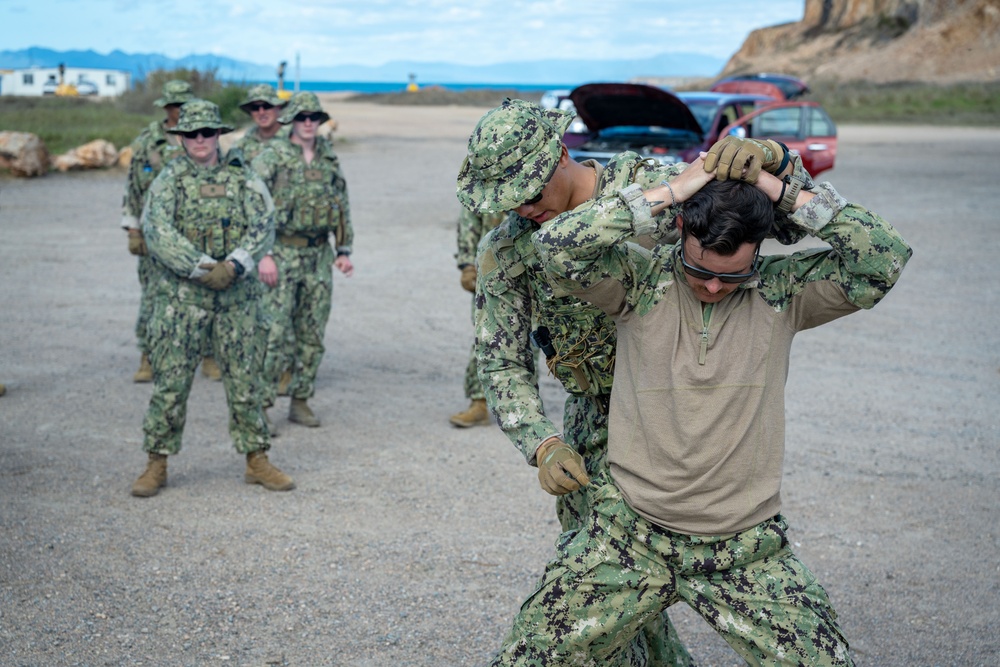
147 271
181 328
620 569
298 306
473 387
586 426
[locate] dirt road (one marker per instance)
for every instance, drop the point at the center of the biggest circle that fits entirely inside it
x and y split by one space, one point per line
408 542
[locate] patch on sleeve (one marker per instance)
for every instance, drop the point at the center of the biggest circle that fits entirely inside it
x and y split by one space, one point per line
487 262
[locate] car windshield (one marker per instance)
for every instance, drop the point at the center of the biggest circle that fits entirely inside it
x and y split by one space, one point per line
704 112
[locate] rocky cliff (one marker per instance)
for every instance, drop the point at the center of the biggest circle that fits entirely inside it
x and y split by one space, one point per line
938 41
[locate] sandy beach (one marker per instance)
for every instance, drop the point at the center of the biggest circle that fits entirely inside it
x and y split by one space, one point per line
409 542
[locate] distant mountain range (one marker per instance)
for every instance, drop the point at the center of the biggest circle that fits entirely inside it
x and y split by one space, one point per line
537 72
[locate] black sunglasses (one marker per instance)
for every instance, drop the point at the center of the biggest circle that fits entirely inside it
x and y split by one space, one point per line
207 132
731 278
534 200
259 106
303 117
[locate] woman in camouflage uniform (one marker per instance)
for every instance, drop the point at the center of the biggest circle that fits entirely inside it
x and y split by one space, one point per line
311 212
206 223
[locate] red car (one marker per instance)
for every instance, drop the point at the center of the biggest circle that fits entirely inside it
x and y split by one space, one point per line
789 87
673 127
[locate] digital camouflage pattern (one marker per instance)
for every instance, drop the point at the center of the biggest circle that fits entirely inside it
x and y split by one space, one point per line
512 154
302 102
151 150
251 144
199 114
175 92
197 215
298 308
262 92
308 199
868 254
620 570
512 298
471 229
311 206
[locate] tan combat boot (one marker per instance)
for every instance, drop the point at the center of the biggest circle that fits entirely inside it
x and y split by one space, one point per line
475 415
210 369
261 471
153 478
283 382
145 372
300 413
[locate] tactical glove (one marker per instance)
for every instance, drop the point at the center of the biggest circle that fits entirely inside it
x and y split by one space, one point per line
136 243
219 277
731 155
560 468
469 278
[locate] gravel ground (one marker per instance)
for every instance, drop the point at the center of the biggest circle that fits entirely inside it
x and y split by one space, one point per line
408 542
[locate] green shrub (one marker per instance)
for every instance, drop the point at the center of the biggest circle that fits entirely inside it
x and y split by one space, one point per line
67 122
64 123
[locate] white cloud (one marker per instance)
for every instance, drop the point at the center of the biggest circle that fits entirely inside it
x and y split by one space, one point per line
333 32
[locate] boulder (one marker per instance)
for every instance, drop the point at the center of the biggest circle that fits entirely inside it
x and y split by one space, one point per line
125 157
327 129
23 153
97 154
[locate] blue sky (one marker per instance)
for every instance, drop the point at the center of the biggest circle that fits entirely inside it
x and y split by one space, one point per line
372 32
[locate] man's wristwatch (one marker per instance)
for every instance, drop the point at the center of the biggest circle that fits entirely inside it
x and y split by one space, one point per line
238 268
790 188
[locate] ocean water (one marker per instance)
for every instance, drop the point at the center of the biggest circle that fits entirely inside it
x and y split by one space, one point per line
393 86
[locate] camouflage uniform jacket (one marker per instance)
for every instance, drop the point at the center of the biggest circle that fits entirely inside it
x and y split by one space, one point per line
201 215
513 296
309 200
250 145
696 423
151 150
471 229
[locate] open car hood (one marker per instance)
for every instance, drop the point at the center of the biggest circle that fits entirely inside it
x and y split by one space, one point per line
602 105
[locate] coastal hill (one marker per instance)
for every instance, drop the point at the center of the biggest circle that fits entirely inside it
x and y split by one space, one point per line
880 41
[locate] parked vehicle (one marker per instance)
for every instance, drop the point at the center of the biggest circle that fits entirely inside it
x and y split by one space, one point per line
551 99
791 87
86 87
673 127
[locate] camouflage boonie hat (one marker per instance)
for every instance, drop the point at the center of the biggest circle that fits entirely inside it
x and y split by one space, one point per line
199 114
513 152
302 103
261 93
175 92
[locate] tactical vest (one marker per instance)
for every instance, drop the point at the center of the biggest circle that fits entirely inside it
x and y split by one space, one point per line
210 208
583 336
308 199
